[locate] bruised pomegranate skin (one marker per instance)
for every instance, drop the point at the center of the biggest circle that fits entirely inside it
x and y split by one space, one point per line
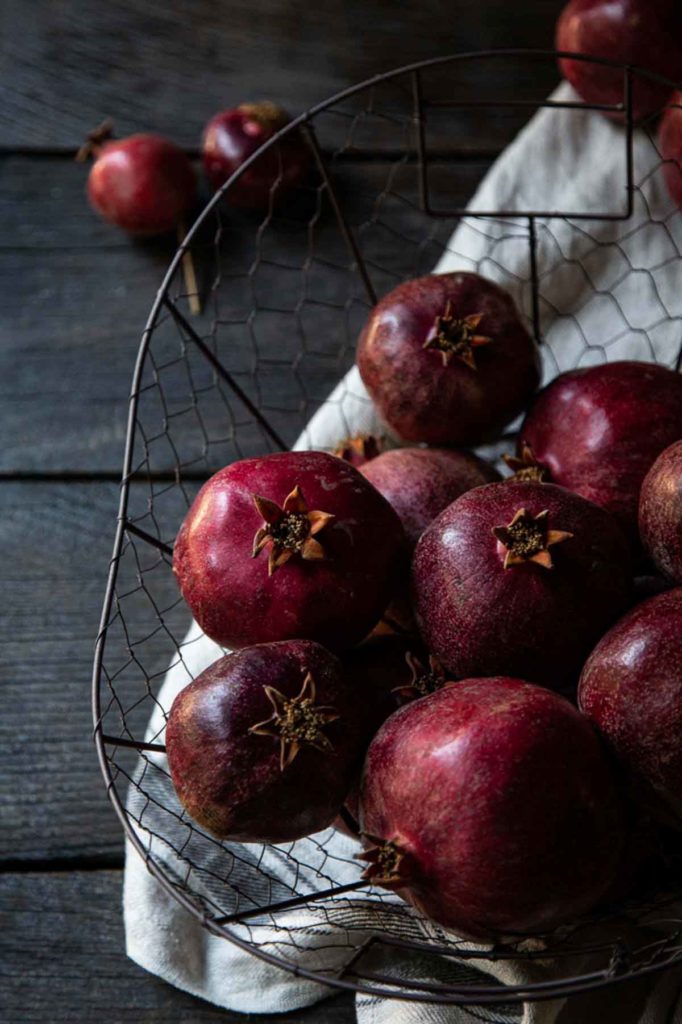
425 399
600 429
660 513
502 802
230 779
234 135
646 33
335 600
420 482
631 688
536 623
144 184
670 146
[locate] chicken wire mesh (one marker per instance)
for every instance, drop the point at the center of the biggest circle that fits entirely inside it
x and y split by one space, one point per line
287 293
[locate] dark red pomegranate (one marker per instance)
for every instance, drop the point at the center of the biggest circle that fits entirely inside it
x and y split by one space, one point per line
519 578
358 449
646 33
670 144
375 671
447 360
144 184
631 688
599 430
296 544
233 136
660 513
492 808
421 482
264 744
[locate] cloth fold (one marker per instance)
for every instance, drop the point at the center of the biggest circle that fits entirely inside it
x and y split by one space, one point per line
607 290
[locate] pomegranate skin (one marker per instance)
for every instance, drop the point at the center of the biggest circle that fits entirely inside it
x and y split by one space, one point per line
600 429
660 513
144 184
335 601
646 33
232 136
631 688
422 398
504 803
480 619
229 779
420 482
670 145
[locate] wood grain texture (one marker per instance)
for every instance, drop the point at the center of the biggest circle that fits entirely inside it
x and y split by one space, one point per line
63 960
169 67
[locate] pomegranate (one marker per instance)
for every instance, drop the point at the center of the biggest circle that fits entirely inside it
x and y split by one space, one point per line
670 142
631 688
520 578
358 449
421 482
264 744
600 429
232 136
660 513
447 360
296 544
144 184
491 806
646 33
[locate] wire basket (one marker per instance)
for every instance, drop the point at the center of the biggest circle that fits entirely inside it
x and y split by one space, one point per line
288 292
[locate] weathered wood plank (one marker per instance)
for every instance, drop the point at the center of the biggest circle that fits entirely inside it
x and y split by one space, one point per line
62 947
169 67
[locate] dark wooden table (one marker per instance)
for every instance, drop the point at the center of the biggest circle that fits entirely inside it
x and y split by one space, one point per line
75 295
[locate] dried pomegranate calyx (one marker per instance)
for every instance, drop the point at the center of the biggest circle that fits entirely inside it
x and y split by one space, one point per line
289 530
267 114
94 140
455 337
527 467
363 446
527 538
387 862
424 680
296 721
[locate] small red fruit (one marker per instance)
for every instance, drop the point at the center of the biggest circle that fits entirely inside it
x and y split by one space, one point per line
660 513
263 745
420 482
232 136
670 137
447 360
144 184
631 688
492 808
519 578
599 430
646 33
296 544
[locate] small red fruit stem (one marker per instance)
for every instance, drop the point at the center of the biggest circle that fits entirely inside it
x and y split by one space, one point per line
189 275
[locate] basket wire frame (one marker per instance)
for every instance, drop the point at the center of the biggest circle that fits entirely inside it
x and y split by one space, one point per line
286 307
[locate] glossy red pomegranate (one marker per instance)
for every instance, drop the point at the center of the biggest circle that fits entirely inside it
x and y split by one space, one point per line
421 482
447 360
491 807
660 513
599 430
670 144
144 184
264 744
646 33
631 688
232 136
290 545
519 578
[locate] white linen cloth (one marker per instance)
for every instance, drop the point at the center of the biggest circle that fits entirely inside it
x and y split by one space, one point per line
607 290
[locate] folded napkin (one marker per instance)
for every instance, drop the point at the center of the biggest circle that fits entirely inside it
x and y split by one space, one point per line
608 290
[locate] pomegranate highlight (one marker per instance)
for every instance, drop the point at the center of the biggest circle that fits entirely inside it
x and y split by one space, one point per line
263 745
660 513
511 825
447 360
292 545
631 688
519 578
